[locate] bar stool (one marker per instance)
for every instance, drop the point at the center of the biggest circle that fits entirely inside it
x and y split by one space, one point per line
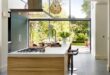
70 55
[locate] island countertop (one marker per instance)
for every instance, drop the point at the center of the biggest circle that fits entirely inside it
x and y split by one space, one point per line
49 52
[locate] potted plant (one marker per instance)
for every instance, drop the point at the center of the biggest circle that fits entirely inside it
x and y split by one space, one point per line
64 36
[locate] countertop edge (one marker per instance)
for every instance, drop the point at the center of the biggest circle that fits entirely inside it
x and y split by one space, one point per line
36 55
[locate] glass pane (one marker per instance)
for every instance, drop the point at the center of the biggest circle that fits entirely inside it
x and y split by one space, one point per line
45 6
38 32
80 8
59 8
59 26
42 31
80 31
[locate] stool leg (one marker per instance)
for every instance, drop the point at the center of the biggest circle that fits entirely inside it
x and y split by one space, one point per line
71 65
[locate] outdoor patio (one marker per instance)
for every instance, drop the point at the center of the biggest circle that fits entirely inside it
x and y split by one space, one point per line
82 49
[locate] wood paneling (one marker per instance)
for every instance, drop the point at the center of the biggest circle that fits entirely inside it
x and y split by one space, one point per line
34 4
36 66
35 73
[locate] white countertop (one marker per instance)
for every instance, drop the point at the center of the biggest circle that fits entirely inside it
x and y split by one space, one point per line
49 52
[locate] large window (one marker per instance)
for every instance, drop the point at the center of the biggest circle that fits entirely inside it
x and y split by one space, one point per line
67 8
80 31
38 32
76 9
63 15
45 31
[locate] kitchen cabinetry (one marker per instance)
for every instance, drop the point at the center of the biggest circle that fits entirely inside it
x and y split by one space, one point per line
54 61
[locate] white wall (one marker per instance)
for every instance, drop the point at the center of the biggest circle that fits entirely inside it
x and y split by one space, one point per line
0 29
108 63
16 4
101 30
93 26
3 34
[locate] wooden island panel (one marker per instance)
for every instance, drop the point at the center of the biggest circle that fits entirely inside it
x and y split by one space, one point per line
36 66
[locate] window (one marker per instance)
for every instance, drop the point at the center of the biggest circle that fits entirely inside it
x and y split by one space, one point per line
38 32
45 31
76 9
63 20
67 8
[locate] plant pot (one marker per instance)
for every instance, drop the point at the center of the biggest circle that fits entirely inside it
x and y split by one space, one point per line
64 40
86 43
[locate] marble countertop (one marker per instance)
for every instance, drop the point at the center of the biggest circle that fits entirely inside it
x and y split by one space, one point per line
49 52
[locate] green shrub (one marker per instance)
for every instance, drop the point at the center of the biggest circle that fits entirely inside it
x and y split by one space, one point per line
64 34
80 38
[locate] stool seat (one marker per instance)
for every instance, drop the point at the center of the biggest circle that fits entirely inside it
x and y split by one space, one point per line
75 52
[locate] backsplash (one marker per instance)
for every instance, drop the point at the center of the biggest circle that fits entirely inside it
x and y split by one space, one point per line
19 31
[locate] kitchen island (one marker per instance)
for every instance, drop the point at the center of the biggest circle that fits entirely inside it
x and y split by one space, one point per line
54 61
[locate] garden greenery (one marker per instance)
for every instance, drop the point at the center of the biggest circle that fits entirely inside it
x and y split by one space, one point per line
64 34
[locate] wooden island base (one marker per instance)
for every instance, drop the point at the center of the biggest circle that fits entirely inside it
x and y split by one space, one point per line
54 61
37 65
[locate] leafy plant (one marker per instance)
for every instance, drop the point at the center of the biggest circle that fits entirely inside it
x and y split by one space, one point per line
81 37
64 34
86 7
52 32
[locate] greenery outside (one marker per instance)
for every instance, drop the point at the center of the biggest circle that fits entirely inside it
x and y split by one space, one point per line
64 34
45 31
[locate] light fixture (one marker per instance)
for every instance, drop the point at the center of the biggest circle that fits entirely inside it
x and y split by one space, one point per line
55 7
